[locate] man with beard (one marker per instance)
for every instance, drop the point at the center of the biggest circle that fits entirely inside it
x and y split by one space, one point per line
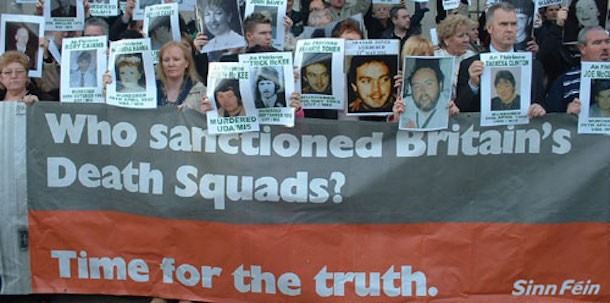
371 81
267 89
426 84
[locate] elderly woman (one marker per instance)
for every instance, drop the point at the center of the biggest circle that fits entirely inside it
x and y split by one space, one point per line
16 86
454 39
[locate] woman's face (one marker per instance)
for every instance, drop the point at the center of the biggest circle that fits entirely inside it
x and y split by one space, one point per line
587 13
174 63
505 90
14 76
129 74
458 43
216 20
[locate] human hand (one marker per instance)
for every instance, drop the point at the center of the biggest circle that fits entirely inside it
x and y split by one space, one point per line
562 15
201 40
453 108
536 110
30 99
475 70
206 105
295 100
574 107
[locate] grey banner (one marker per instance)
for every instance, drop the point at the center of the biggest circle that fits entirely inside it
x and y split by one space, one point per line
95 157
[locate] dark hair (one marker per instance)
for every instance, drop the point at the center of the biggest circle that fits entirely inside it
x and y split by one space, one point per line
84 56
96 21
226 85
504 75
347 25
599 85
130 34
430 64
270 74
358 61
256 18
394 10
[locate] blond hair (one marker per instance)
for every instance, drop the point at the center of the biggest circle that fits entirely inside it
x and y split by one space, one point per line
191 72
450 26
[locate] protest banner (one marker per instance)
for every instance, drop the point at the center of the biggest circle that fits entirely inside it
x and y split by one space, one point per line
84 63
509 74
104 8
230 94
21 33
131 64
272 82
139 9
594 117
64 15
462 215
372 65
426 91
320 62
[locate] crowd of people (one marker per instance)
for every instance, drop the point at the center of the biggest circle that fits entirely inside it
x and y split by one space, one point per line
182 70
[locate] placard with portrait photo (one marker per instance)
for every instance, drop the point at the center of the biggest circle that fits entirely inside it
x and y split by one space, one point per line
22 33
138 10
594 117
83 64
221 21
64 15
525 22
274 10
161 25
272 83
426 92
581 14
104 8
505 88
371 67
320 65
228 89
132 68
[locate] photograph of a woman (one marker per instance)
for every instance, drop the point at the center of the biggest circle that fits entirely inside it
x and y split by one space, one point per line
584 13
222 25
506 92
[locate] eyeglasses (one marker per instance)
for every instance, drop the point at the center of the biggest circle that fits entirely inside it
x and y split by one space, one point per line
17 72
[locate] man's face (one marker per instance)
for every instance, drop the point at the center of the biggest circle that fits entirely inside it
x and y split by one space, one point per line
603 99
316 5
83 64
426 89
550 13
317 76
93 31
503 29
260 35
266 88
22 36
597 48
373 84
402 19
227 100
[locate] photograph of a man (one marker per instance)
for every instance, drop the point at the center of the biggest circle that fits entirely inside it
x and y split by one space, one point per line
63 8
85 73
19 37
371 84
316 74
268 89
228 99
427 98
506 91
525 22
600 99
